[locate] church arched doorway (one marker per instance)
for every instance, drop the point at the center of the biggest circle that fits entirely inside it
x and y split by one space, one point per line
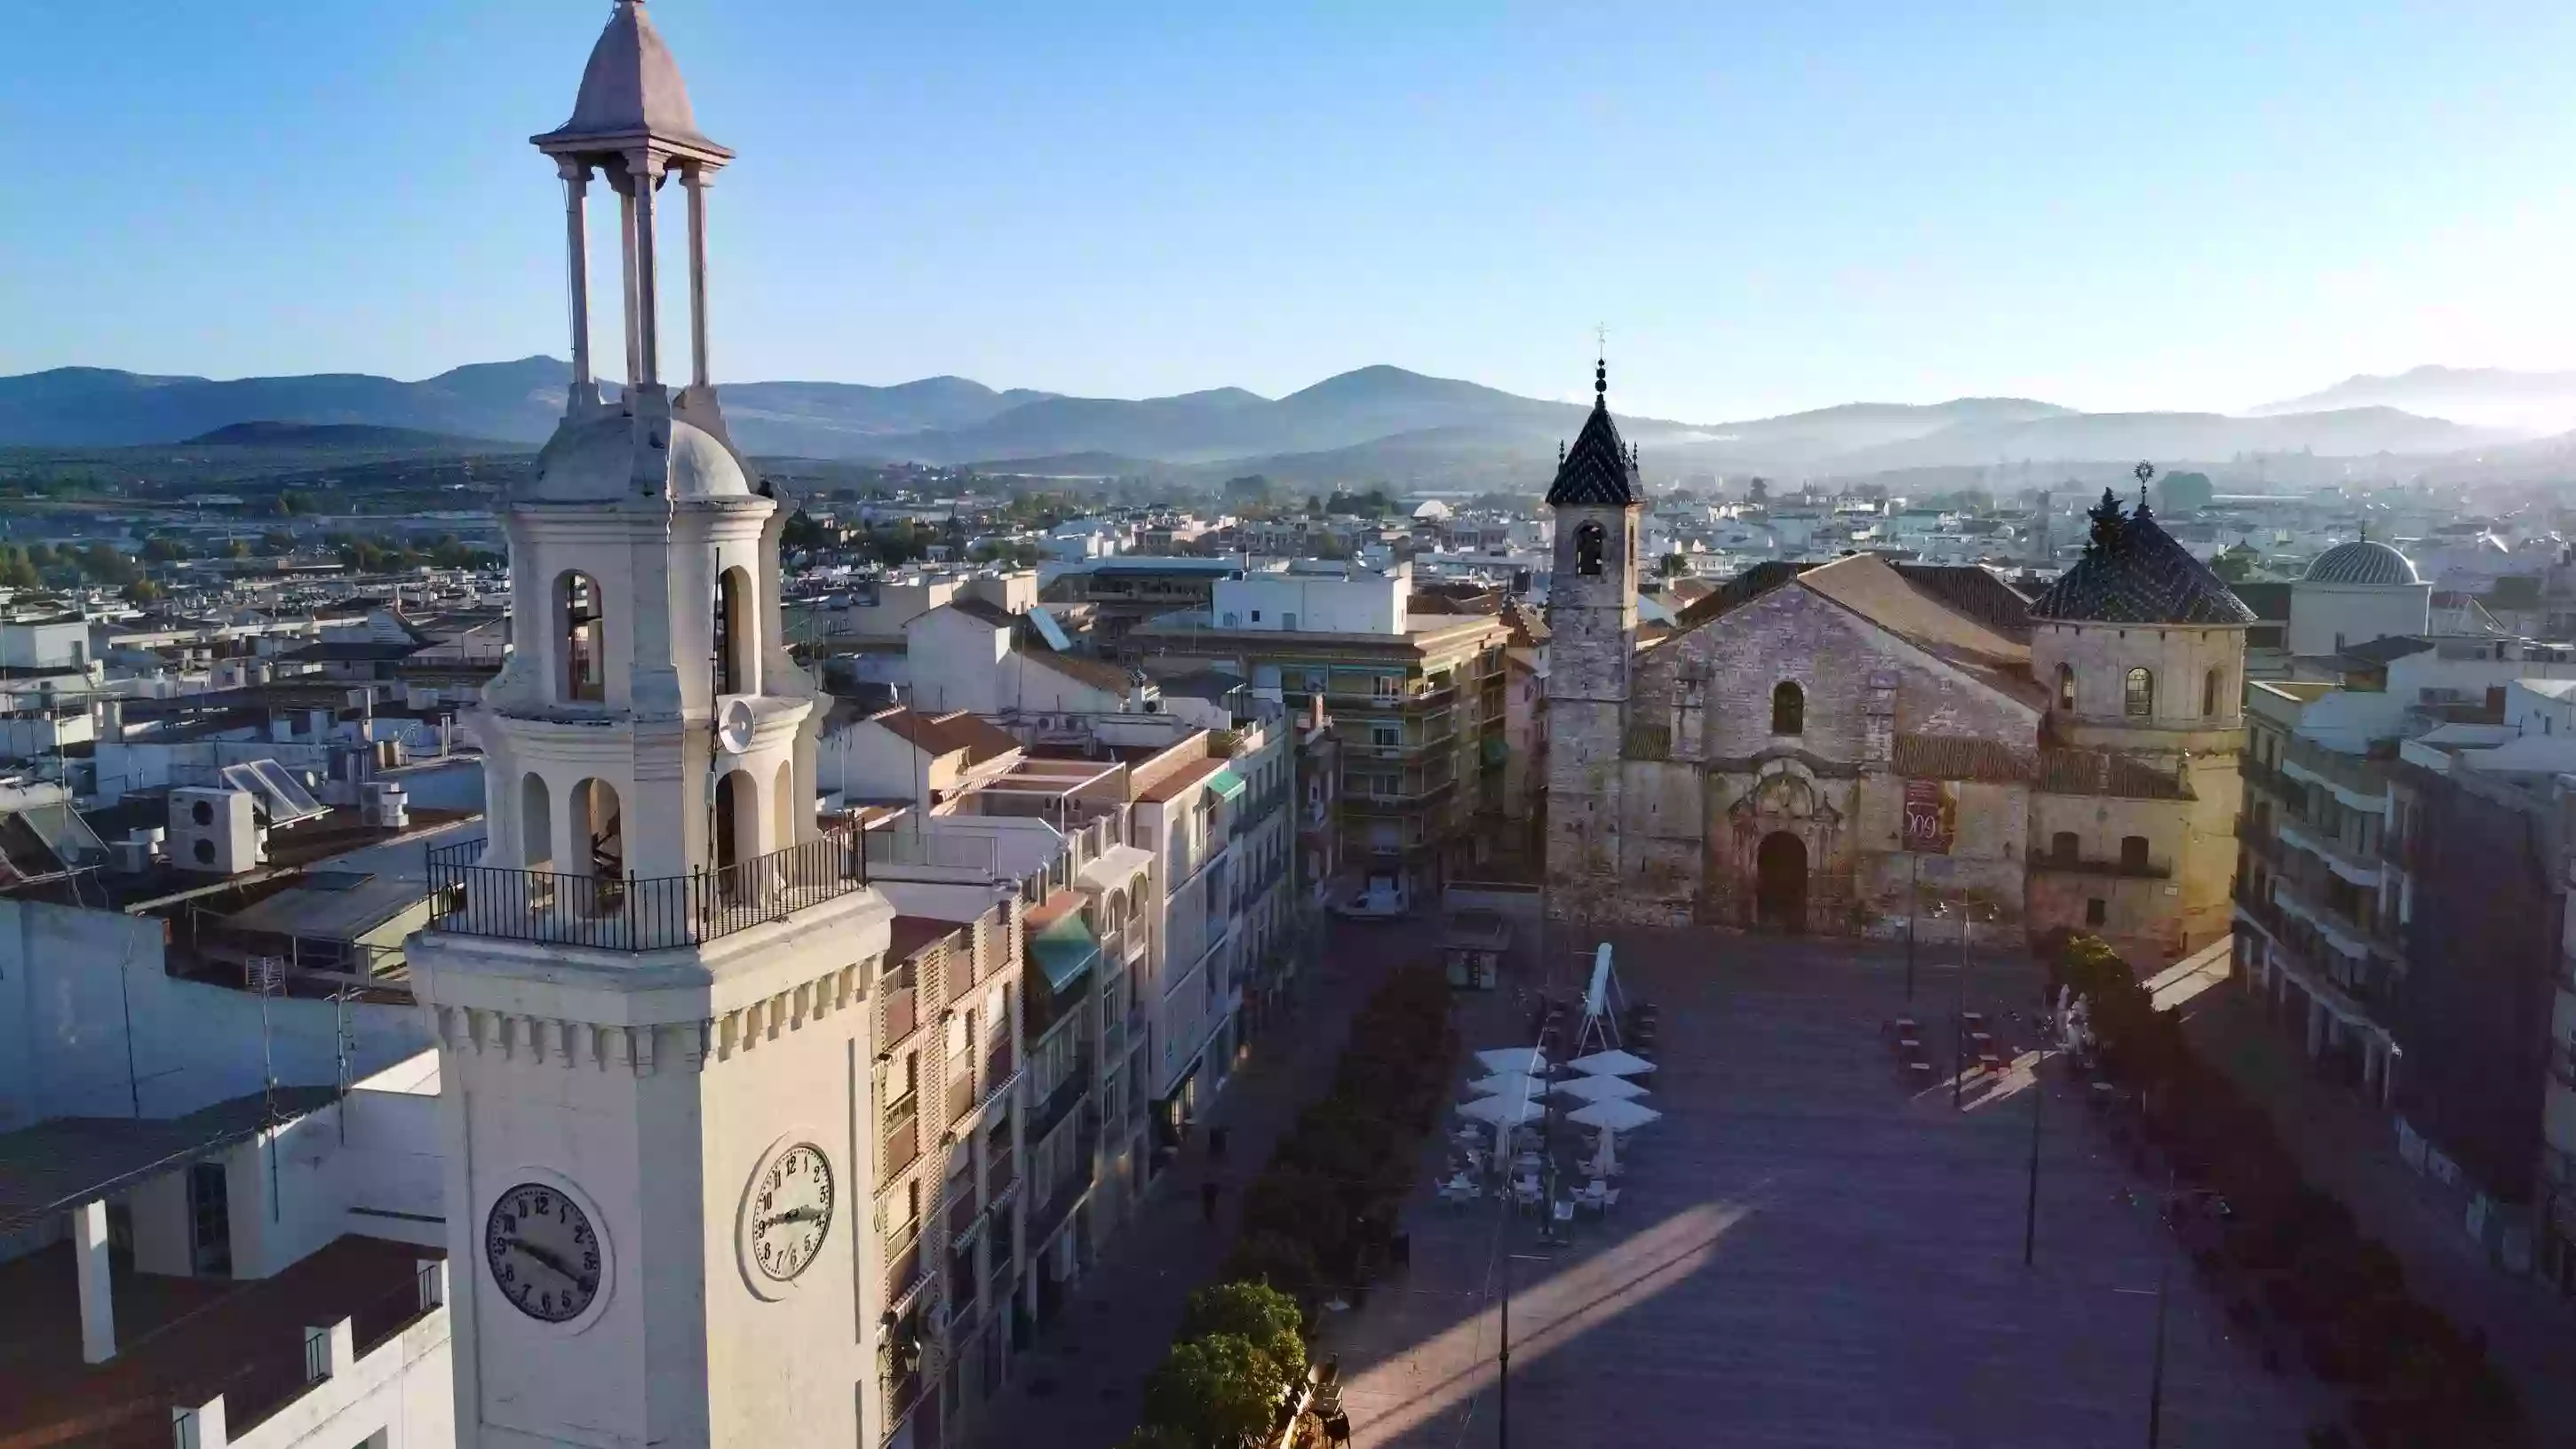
1780 882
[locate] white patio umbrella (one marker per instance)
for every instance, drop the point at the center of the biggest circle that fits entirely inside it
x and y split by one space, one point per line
1502 1111
1615 1116
1612 1064
1508 1084
1513 1059
1600 1089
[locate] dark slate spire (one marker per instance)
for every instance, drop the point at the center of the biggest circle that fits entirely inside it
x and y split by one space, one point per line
2133 572
1596 470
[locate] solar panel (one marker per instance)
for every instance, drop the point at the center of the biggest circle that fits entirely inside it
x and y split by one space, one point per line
285 797
1049 630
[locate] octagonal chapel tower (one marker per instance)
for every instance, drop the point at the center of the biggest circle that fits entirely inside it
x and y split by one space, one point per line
1592 648
2141 650
650 985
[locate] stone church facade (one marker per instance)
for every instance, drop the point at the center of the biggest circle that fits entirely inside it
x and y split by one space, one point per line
1862 747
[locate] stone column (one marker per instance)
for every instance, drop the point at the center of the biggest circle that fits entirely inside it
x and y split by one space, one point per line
97 1302
643 168
697 178
576 176
626 242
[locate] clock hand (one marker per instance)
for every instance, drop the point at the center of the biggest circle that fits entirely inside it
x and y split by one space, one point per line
548 1259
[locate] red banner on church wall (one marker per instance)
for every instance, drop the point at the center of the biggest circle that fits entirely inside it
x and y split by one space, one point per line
1931 816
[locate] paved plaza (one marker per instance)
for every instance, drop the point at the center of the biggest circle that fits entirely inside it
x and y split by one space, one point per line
1808 1252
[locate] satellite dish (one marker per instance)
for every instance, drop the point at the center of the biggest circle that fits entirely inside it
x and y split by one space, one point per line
734 725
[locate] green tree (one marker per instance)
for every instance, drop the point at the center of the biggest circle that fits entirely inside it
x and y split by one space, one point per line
1257 1313
1216 1392
274 543
2234 565
1671 565
105 565
801 531
15 571
161 548
2183 492
142 591
290 503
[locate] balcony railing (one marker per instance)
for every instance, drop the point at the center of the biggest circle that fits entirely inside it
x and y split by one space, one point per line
904 1271
999 1174
639 913
963 1210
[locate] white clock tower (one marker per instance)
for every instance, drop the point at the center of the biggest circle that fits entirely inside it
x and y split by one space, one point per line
651 983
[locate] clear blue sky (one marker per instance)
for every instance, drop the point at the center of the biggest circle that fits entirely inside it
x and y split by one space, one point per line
1771 207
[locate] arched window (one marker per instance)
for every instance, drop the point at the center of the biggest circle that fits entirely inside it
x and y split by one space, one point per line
1788 709
1587 549
2066 688
2209 684
2139 701
599 831
733 632
536 824
581 644
2063 846
2133 852
737 828
782 807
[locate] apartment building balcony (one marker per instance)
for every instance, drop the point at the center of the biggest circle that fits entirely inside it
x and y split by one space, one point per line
1001 1175
902 1014
2359 781
1051 1212
2353 865
964 1211
1375 802
1061 1102
902 1139
907 1267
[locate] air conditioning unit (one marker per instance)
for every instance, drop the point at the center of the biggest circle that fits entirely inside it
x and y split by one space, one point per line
130 856
384 805
216 831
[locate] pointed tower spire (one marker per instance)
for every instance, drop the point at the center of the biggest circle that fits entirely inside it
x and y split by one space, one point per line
1597 469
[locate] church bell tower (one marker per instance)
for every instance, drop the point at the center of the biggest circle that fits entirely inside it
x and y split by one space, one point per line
1592 646
650 980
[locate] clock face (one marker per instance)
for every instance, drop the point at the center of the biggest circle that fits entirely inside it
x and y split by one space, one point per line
543 1252
790 1211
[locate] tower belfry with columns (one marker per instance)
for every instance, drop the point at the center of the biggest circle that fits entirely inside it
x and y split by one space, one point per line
1592 624
651 982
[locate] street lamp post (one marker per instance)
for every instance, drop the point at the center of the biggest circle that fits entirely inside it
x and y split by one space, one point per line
1913 894
2156 1376
2030 1202
1959 1011
1503 1354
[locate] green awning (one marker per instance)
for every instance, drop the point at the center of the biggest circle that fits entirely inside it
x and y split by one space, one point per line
1065 950
1225 784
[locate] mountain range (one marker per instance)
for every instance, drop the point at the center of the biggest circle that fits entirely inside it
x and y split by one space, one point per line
1375 422
2494 397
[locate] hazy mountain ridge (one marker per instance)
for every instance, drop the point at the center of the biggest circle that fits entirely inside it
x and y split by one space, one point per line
2497 397
1379 421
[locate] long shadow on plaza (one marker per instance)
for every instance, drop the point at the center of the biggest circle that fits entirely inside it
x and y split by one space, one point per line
1810 1253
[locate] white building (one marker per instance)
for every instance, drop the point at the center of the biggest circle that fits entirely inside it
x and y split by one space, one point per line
1315 598
2353 593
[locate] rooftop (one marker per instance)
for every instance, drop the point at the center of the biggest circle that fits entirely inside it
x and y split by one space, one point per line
2133 572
